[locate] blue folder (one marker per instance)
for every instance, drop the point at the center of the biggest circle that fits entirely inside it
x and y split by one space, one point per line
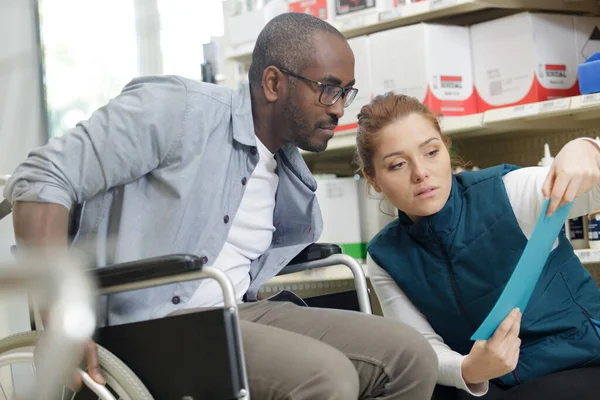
520 286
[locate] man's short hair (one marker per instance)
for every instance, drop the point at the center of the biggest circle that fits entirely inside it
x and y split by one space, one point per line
287 41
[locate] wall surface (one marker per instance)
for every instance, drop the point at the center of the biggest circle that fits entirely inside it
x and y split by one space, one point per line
22 124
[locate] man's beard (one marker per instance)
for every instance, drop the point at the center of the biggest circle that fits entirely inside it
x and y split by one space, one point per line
300 133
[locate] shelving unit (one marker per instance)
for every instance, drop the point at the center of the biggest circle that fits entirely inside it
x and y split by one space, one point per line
511 134
458 12
580 112
462 11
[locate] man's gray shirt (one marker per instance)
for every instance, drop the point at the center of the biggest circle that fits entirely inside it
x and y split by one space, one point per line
157 169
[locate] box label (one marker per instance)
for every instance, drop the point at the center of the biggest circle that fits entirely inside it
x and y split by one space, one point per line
590 99
435 4
354 22
316 8
390 14
344 7
555 105
526 110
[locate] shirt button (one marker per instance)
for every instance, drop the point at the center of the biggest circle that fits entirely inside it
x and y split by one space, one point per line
226 219
204 260
176 300
253 150
244 180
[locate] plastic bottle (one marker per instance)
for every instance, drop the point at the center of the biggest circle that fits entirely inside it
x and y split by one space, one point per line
547 160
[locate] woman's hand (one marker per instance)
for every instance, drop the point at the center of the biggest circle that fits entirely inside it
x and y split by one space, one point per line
576 170
496 356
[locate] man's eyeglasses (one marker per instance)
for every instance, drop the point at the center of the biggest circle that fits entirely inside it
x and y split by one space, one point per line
330 94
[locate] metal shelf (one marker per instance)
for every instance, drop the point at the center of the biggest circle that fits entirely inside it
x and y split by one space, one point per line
434 10
580 112
453 11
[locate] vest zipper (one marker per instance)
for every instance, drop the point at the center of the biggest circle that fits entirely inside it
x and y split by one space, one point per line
453 281
455 292
589 318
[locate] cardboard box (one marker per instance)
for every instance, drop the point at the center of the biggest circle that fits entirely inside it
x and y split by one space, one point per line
427 61
524 58
323 9
362 75
587 31
338 199
375 213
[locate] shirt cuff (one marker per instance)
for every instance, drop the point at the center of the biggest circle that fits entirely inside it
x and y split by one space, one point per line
37 192
477 390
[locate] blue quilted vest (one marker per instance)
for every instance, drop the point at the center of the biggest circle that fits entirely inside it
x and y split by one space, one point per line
453 266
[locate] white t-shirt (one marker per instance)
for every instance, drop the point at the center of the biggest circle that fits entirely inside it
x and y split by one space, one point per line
524 188
250 234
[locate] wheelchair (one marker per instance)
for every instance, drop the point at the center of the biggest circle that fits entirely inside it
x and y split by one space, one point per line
165 352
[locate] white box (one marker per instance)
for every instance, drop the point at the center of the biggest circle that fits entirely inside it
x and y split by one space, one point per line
524 58
587 32
338 199
375 213
362 75
245 27
427 61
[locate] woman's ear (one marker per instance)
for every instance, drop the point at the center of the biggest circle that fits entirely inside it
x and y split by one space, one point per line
372 182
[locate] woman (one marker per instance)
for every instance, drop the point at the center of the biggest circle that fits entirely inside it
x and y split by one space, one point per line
443 263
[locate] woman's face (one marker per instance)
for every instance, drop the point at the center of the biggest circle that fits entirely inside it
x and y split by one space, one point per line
412 167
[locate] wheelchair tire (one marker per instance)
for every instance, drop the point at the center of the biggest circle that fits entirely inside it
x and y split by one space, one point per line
118 376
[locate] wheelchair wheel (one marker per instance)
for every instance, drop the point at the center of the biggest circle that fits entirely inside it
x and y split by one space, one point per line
121 382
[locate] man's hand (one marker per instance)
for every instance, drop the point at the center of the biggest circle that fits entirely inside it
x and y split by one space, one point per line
576 170
497 356
93 366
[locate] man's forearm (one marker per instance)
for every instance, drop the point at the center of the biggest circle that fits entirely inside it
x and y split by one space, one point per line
40 225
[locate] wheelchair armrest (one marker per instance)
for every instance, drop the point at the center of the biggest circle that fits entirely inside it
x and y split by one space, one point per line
323 255
316 251
146 269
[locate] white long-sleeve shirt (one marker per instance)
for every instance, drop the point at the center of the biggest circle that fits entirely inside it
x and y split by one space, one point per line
524 189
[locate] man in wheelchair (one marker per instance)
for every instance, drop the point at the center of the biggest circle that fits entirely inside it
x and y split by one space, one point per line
177 166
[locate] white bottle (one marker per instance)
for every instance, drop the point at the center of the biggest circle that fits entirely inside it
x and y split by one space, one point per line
547 160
